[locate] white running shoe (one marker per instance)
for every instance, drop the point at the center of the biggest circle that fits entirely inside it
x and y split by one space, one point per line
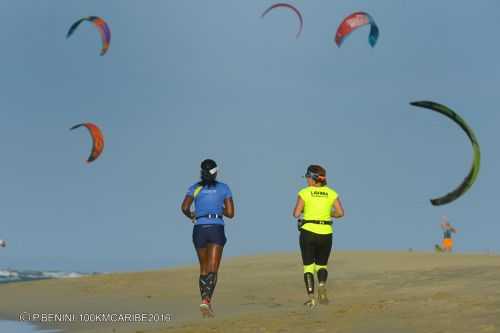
206 309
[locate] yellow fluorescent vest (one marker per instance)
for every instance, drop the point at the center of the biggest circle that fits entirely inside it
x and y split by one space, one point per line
318 203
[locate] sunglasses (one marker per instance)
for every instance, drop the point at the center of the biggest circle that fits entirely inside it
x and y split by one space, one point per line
314 176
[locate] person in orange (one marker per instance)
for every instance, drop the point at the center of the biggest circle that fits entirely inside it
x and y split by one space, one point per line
448 230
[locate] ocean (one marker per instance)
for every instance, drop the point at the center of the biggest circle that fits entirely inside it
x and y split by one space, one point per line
18 327
11 275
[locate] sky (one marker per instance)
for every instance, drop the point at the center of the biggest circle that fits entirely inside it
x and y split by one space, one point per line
189 80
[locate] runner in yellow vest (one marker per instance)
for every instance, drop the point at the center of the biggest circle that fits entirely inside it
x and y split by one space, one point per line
318 204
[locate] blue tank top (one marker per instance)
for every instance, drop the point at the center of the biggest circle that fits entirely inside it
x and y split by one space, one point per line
209 200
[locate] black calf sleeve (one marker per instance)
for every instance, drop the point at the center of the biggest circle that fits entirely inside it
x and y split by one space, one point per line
203 283
309 280
211 282
322 275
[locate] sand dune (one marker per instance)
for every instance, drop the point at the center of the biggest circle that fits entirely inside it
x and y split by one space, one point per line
370 292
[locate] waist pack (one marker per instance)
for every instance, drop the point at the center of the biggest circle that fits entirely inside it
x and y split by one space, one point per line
301 222
211 216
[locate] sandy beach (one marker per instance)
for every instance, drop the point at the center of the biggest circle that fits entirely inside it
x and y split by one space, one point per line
370 292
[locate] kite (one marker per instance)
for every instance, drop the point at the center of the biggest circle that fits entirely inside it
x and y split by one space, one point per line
354 21
471 177
285 5
97 140
101 25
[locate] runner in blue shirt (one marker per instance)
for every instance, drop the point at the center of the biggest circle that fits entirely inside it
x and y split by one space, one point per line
212 201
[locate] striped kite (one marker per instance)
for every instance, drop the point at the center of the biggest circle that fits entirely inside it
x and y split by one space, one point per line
354 21
101 25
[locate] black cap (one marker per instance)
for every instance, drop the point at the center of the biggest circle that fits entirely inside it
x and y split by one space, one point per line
208 169
208 164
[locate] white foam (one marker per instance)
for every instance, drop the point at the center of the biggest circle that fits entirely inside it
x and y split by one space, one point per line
9 275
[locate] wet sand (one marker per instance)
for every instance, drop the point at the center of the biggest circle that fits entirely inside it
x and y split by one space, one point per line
370 292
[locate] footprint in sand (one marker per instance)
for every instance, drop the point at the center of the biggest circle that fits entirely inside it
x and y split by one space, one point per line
252 300
388 301
487 328
440 296
274 305
342 311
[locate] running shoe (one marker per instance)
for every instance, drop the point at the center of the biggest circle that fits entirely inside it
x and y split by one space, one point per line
206 309
322 296
311 302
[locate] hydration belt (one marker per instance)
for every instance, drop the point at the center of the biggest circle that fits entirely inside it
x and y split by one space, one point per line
302 222
210 216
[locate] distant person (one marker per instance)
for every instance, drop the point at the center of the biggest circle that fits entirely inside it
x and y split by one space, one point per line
318 204
212 201
448 230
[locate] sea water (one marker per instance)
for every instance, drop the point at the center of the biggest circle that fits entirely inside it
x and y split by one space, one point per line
11 275
18 327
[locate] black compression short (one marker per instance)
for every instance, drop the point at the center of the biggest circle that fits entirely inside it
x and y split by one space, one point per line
315 248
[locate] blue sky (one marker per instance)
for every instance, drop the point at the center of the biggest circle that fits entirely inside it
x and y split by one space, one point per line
187 80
